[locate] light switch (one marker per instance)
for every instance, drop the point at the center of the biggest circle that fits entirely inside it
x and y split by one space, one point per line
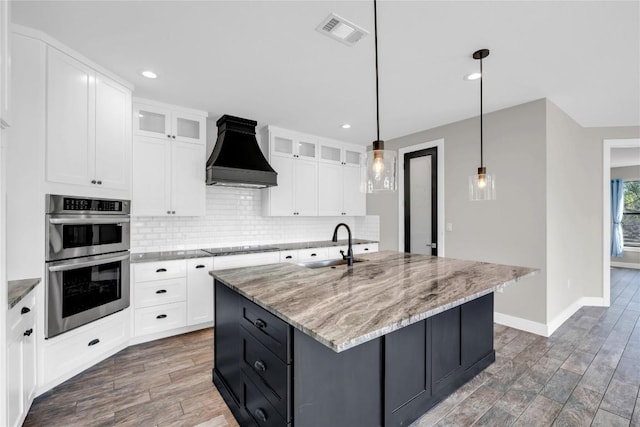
449 226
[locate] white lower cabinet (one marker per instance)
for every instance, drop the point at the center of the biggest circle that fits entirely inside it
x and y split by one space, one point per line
76 350
21 358
199 291
170 295
365 248
313 254
164 317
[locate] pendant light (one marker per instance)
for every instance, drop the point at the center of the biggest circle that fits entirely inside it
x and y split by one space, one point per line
378 168
482 186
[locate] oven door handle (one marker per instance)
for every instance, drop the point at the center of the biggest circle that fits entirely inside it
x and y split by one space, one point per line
110 220
94 261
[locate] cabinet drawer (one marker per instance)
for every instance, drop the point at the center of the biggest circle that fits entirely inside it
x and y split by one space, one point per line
158 292
259 407
365 248
79 347
313 254
160 318
266 328
270 374
289 256
21 313
147 271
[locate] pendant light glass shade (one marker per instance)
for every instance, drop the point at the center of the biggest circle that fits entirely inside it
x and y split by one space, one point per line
378 171
482 186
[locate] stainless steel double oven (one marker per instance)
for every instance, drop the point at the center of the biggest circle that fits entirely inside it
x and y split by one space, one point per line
87 260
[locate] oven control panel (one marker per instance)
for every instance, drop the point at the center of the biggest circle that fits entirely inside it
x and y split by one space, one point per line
83 205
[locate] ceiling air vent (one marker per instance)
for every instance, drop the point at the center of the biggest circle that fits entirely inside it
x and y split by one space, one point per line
342 30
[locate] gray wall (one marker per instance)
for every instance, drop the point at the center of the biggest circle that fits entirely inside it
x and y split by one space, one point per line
628 173
510 230
548 212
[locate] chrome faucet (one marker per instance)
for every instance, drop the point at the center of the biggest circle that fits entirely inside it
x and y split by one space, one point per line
349 256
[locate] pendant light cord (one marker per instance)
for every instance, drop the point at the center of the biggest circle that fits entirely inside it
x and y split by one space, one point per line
375 37
481 75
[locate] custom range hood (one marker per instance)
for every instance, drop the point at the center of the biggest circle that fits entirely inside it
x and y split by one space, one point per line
236 160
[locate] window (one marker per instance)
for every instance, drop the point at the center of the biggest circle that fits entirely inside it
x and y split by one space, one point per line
631 216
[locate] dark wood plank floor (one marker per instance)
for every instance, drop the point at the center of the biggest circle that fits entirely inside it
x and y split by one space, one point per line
586 373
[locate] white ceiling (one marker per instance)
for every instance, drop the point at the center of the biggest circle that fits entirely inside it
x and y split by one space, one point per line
264 60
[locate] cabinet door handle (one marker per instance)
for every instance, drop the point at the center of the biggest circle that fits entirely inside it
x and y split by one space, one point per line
161 270
93 342
99 182
93 181
161 316
161 291
261 415
28 332
173 212
169 212
173 136
168 136
260 324
260 366
200 266
25 310
288 257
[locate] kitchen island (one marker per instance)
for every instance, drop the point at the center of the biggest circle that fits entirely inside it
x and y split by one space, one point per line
377 344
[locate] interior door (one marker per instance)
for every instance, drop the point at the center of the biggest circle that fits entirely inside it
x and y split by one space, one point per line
420 202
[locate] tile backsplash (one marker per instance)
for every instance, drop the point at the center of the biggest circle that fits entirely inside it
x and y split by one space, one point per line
234 217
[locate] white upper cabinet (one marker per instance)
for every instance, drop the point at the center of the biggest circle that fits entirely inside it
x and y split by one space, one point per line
5 68
294 156
316 176
88 137
168 172
339 180
163 121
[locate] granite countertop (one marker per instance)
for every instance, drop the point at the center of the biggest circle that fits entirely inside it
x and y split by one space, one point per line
19 289
237 250
342 307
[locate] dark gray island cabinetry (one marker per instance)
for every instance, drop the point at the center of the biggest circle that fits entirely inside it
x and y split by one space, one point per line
304 348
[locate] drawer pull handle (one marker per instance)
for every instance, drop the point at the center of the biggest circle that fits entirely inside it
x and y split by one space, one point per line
93 342
200 266
161 291
288 257
260 366
260 324
161 270
25 310
314 254
161 316
261 415
28 332
366 249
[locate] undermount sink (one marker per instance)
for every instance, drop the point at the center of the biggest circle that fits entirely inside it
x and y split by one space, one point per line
333 263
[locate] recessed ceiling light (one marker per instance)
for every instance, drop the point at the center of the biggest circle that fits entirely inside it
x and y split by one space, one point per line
472 76
346 126
149 74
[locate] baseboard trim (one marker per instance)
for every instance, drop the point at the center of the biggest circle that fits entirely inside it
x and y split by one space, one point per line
520 323
625 264
546 330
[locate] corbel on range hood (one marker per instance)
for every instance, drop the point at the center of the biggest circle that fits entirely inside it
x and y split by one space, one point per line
236 160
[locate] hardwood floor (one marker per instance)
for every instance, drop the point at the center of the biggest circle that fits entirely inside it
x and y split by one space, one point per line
586 373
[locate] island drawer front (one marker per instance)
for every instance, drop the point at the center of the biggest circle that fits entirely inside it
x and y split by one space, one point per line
267 328
258 406
270 374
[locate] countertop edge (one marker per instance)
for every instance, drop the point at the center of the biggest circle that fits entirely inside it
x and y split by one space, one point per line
340 347
18 289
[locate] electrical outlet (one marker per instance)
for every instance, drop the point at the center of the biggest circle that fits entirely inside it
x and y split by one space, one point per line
449 226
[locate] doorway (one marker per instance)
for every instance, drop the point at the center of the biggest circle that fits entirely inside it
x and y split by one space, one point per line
421 201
